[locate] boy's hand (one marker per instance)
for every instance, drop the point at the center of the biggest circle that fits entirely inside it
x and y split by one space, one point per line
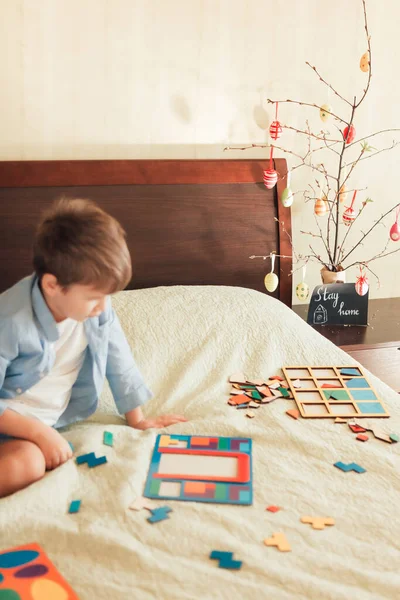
55 448
159 422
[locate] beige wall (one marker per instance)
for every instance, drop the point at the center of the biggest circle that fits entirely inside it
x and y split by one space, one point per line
184 78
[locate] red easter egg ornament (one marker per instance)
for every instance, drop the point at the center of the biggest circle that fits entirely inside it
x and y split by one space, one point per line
349 133
348 216
362 285
270 178
275 130
395 232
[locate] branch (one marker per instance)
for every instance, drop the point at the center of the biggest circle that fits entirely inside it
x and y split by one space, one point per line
369 56
328 84
369 231
370 136
307 104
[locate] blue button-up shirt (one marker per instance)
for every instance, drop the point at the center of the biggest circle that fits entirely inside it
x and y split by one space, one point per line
27 330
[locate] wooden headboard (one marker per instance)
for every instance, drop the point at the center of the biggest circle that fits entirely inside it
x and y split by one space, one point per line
188 222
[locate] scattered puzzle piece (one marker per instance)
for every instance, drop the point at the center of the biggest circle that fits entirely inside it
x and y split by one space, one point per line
296 383
273 508
277 378
284 392
91 459
256 382
350 372
253 405
225 560
241 399
318 522
394 437
340 420
74 506
108 438
350 467
159 514
274 385
141 503
293 412
279 540
357 428
362 437
250 415
237 378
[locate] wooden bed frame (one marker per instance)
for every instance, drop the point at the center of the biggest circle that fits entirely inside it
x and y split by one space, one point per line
188 222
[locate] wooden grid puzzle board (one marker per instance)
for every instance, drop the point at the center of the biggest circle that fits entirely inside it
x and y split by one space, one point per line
201 469
323 392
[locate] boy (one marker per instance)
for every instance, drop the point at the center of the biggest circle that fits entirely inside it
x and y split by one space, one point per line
59 339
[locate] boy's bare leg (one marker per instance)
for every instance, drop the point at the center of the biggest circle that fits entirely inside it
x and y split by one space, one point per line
21 463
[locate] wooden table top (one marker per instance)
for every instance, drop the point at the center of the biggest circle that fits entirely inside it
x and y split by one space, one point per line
383 326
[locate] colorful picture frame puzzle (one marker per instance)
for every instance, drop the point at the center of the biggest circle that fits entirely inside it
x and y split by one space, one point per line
201 469
27 573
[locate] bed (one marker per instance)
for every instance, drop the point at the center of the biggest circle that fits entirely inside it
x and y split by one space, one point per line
194 314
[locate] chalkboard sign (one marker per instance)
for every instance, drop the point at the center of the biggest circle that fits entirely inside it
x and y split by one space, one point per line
337 304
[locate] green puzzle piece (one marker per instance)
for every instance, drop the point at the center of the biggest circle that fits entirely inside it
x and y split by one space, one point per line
336 394
108 438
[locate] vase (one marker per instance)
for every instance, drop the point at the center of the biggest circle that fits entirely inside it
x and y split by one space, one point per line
328 276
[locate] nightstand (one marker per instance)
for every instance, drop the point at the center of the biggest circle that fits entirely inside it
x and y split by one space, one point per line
376 347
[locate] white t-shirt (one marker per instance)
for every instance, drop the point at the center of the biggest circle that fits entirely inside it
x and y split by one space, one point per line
49 398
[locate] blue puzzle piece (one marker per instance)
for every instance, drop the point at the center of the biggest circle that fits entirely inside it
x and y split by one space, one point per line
72 447
159 514
91 459
350 467
225 560
95 462
74 506
80 460
345 371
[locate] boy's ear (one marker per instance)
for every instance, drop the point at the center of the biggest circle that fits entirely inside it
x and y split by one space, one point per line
49 284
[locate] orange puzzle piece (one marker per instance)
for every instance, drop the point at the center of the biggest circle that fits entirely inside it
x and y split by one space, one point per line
318 522
279 540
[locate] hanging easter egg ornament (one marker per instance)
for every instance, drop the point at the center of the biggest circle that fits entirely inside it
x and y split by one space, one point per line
287 194
319 207
302 289
271 279
325 112
275 129
395 229
362 283
343 193
350 214
364 62
270 175
349 133
270 178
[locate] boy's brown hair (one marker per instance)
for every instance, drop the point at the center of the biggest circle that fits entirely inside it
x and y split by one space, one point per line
79 243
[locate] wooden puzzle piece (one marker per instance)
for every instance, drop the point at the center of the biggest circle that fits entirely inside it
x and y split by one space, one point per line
91 459
74 506
284 392
296 383
241 399
108 438
159 514
141 503
357 428
256 382
273 508
225 560
277 378
253 405
340 420
237 378
362 437
318 522
279 540
273 385
250 415
378 433
394 437
294 413
264 391
350 467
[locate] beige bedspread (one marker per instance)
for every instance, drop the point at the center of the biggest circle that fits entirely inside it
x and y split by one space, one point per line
187 342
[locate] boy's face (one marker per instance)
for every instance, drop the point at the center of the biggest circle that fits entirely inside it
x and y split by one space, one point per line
78 302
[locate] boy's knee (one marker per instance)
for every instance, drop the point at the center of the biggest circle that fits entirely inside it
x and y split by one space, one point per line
30 459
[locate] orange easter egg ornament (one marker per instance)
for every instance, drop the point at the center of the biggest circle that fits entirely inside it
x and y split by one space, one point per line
320 207
364 62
